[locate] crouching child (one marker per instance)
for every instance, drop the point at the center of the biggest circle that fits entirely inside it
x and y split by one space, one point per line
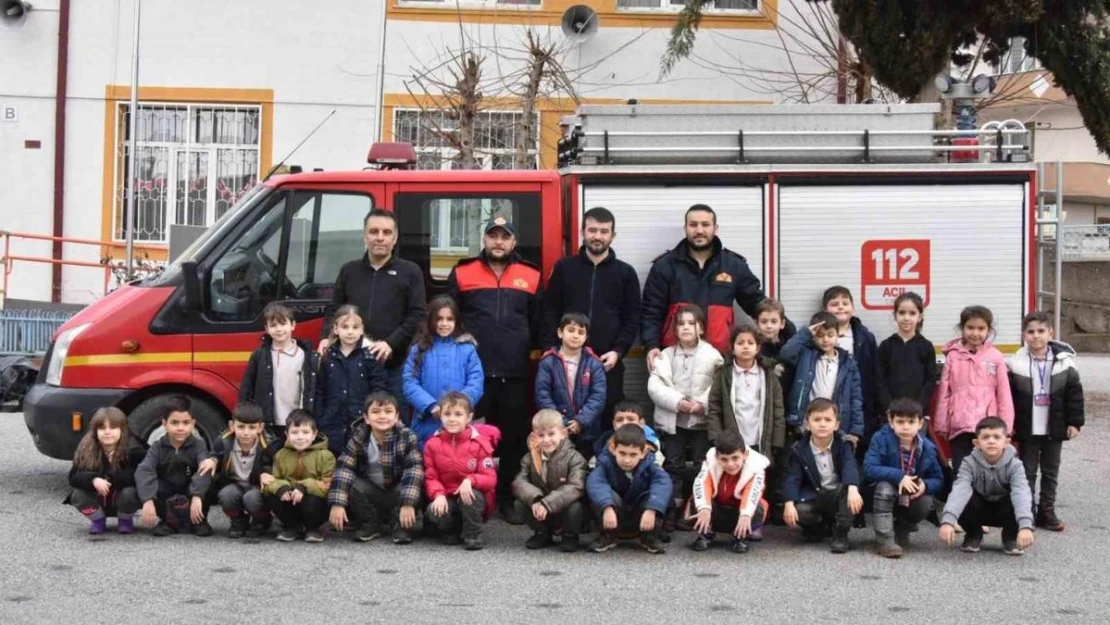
629 492
551 484
103 473
168 479
303 470
728 493
902 468
380 476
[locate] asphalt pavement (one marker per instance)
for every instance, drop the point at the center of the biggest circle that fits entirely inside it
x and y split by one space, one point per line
52 571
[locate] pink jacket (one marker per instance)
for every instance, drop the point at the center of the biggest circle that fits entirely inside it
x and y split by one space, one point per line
974 386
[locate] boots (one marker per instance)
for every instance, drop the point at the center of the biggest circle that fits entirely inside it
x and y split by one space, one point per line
884 535
239 525
1047 519
839 542
126 524
98 526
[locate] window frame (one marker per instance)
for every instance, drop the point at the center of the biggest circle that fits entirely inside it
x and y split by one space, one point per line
665 7
488 5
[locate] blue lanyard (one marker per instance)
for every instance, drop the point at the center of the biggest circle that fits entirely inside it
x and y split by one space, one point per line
1042 373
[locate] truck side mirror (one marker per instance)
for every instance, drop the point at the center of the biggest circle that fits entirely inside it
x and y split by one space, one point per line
192 286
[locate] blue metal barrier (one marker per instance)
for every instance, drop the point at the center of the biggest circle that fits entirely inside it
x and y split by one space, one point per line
29 331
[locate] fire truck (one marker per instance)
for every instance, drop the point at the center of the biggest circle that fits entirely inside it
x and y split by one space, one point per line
870 197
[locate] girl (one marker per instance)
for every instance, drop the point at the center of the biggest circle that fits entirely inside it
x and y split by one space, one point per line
907 361
974 385
679 386
103 473
348 374
747 397
443 358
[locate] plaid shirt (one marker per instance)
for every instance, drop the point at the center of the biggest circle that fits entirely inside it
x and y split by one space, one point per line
401 463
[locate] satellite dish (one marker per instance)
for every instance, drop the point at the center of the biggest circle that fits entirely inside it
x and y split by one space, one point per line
579 22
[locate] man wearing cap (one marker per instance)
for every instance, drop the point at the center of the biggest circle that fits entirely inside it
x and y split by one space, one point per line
596 283
498 294
389 294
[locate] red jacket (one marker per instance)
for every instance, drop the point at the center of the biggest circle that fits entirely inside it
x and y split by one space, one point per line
451 458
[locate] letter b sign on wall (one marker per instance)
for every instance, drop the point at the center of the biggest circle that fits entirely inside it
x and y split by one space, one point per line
891 267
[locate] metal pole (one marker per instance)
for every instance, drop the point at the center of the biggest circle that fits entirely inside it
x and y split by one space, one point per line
1040 237
379 118
1057 292
132 156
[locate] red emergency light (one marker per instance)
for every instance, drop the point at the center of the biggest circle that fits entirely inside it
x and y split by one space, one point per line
398 155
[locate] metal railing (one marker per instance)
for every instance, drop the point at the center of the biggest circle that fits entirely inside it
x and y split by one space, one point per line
29 330
1085 243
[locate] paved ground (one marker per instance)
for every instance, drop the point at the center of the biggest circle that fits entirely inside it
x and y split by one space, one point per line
53 572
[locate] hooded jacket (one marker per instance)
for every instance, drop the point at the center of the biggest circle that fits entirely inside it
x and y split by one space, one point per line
649 488
342 387
451 458
665 395
309 471
562 484
449 364
608 293
164 462
1065 392
802 477
258 380
993 482
676 279
587 402
803 355
749 489
722 414
974 385
883 461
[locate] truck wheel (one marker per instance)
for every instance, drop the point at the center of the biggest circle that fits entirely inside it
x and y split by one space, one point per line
146 420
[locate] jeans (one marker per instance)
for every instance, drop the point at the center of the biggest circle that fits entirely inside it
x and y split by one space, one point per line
235 498
506 405
628 517
308 515
569 519
892 517
119 503
980 512
830 508
460 517
1041 452
675 457
373 505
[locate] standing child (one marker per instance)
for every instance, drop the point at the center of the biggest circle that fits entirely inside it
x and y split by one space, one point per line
303 470
349 372
629 492
1048 408
823 370
907 361
458 474
103 473
854 338
974 384
776 330
728 494
443 358
571 381
551 484
281 373
990 490
679 386
168 480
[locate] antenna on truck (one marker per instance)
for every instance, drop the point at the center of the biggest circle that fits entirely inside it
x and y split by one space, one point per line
298 146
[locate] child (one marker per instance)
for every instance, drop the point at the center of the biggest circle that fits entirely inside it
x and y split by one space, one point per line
281 373
776 330
168 481
974 384
854 338
380 476
822 480
459 474
551 484
303 470
679 385
1048 408
443 358
728 493
901 466
571 380
348 374
907 361
629 492
625 412
103 473
243 456
990 490
822 370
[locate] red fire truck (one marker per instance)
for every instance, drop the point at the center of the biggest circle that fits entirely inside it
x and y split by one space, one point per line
864 205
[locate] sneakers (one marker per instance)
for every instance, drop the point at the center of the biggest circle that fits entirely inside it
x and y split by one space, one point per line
701 543
651 544
604 542
539 540
902 538
452 539
839 543
126 524
1010 548
890 550
313 536
287 536
98 526
972 544
239 526
163 529
401 536
367 533
570 543
202 529
756 535
739 546
257 529
473 543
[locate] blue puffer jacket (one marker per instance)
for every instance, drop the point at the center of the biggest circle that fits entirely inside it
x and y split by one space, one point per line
883 462
450 364
802 477
649 488
588 401
801 354
342 386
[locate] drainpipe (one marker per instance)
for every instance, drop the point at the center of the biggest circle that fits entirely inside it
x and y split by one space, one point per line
60 92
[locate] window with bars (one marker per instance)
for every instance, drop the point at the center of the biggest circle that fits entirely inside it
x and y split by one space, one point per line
479 3
193 161
676 5
1016 59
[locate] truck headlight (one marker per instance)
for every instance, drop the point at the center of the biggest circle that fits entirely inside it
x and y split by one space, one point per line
58 356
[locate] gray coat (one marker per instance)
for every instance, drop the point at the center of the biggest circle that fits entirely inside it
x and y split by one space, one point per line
1005 478
565 482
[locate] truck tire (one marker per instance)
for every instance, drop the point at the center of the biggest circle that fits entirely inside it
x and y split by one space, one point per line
146 419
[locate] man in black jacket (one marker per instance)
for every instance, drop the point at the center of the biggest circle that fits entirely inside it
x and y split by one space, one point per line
389 293
596 283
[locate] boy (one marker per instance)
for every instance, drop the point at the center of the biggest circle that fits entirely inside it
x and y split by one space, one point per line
303 470
901 466
629 492
627 412
728 493
1048 408
379 477
822 480
168 481
770 318
822 370
281 373
551 484
239 461
459 474
990 490
571 380
854 338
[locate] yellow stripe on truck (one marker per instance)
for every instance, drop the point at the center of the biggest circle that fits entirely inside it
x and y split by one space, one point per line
163 358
